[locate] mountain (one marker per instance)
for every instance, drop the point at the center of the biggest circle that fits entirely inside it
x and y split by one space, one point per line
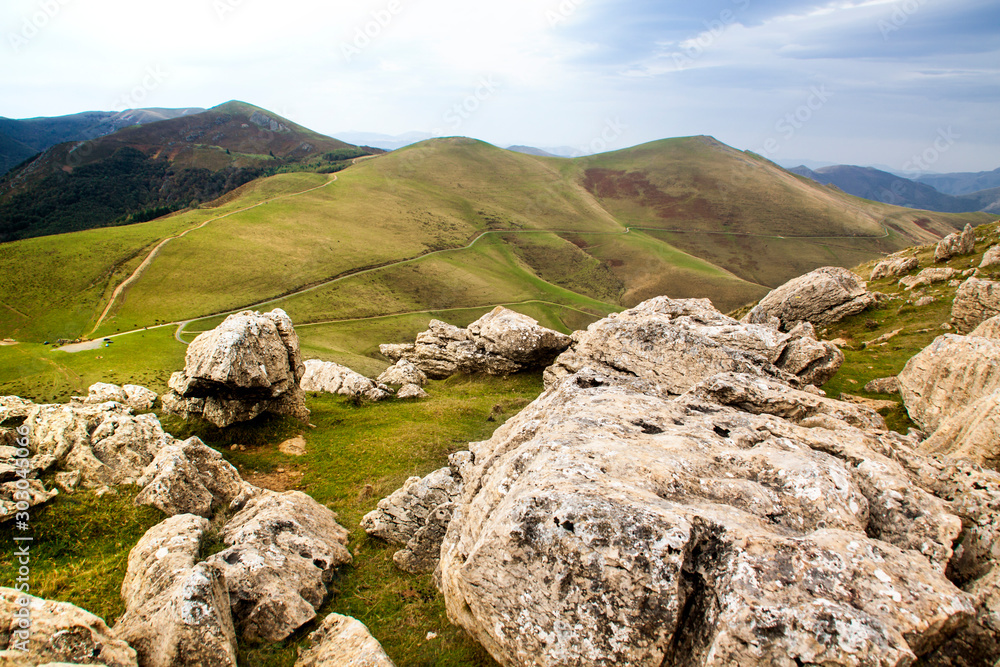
877 185
455 226
962 183
530 150
387 142
147 170
22 139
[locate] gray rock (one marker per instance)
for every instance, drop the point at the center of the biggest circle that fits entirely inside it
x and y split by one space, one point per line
31 491
823 296
423 551
248 365
283 549
403 372
332 378
342 641
59 633
501 342
398 517
411 391
608 524
674 344
133 396
988 329
991 257
928 277
955 244
189 478
894 266
177 609
14 406
975 302
889 385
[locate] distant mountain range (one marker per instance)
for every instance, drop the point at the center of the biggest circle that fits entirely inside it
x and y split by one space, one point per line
882 186
147 170
22 139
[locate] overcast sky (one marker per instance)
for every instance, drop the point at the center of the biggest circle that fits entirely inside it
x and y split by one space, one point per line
851 81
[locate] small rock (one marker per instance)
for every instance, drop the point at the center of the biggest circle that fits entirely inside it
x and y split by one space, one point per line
332 378
955 244
991 257
398 517
411 391
342 641
403 372
927 277
889 385
294 446
894 267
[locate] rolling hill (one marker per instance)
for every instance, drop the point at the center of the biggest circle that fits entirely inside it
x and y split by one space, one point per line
144 171
449 228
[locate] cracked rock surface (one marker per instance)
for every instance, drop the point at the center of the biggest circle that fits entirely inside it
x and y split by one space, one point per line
821 297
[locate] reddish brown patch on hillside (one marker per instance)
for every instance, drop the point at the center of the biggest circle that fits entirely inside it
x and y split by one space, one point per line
636 186
925 225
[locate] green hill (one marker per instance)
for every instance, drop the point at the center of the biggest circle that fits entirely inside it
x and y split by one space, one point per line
147 170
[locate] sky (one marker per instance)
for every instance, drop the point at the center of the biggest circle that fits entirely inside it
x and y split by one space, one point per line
912 85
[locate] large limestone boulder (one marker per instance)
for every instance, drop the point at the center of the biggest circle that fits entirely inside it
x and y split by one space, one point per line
189 478
343 641
928 277
134 396
976 301
105 442
499 343
608 523
894 266
248 365
177 609
399 516
332 378
58 632
282 551
403 372
949 375
30 491
823 296
955 244
675 343
988 329
991 257
972 433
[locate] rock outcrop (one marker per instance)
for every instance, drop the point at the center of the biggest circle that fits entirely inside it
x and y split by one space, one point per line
499 343
928 277
283 549
189 478
991 257
743 521
403 372
823 296
955 244
343 641
248 365
976 301
133 396
177 609
60 633
30 491
411 391
988 329
894 266
399 516
333 378
692 341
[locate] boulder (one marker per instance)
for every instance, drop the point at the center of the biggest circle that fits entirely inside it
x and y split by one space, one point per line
976 301
740 523
955 244
31 491
398 517
411 391
134 396
823 296
177 609
972 433
189 478
676 343
59 633
894 266
423 551
889 385
403 372
342 641
12 407
282 552
988 329
947 376
106 442
248 365
928 277
332 378
991 257
499 343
